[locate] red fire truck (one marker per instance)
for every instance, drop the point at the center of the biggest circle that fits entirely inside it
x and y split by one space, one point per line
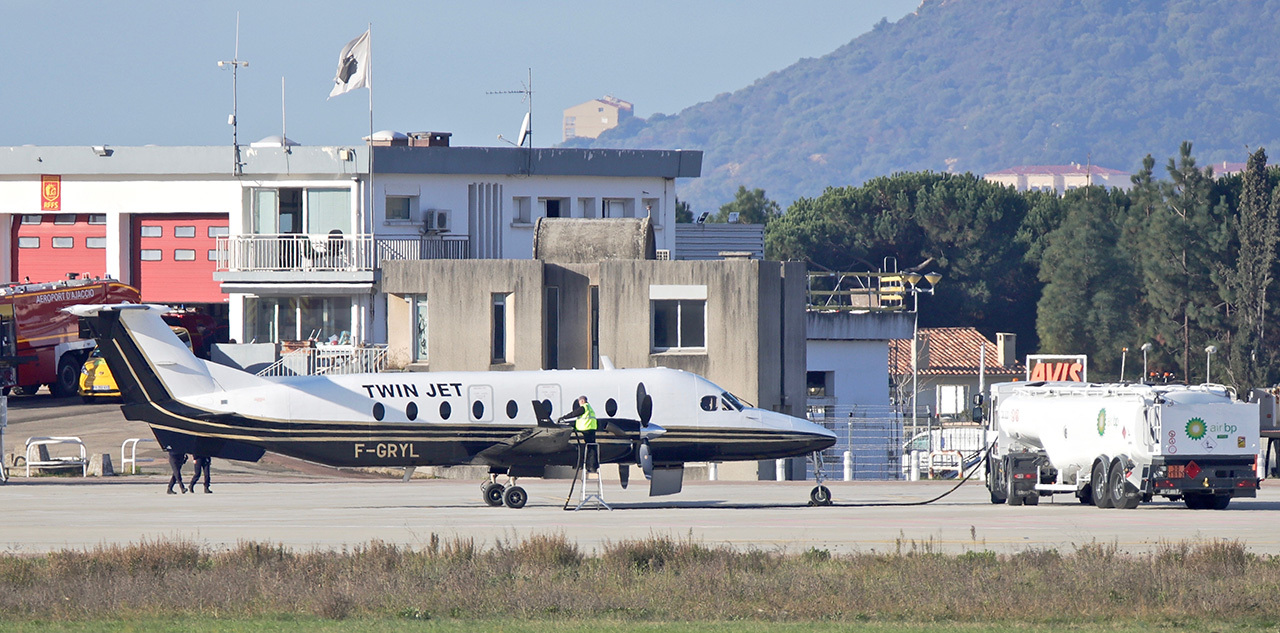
39 343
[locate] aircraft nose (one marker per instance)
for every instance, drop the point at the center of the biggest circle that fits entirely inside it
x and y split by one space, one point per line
815 436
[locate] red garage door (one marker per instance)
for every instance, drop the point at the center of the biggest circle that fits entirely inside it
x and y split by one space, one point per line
174 259
51 245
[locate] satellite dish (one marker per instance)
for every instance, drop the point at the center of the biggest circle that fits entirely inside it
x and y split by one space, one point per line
524 130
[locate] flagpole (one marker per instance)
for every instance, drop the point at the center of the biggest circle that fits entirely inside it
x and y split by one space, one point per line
369 208
369 213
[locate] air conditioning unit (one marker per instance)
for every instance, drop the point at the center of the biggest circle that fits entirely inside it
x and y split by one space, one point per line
436 220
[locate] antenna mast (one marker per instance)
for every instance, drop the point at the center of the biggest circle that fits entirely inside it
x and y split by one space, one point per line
235 64
526 89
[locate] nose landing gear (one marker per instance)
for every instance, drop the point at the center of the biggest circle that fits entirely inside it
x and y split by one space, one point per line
820 495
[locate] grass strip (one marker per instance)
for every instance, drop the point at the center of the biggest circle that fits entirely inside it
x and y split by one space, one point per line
547 582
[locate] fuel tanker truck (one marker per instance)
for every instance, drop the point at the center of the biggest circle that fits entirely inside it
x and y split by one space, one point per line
1116 445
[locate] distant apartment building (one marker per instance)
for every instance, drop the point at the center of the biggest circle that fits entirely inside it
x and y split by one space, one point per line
1059 178
595 116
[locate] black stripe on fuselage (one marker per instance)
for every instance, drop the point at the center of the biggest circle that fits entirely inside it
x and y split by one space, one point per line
148 400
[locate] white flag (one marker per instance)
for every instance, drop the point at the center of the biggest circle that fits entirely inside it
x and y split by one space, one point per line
353 66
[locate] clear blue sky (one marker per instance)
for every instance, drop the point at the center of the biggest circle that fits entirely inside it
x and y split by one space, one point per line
88 72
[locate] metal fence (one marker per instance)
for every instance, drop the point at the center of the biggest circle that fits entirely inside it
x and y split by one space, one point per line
882 444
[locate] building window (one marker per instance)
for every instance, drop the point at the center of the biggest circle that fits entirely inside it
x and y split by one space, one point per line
28 242
64 242
617 208
32 219
97 218
184 255
818 383
522 209
95 242
213 254
219 231
679 324
551 323
586 207
501 328
678 317
64 218
150 254
420 331
151 231
554 207
400 207
184 231
270 319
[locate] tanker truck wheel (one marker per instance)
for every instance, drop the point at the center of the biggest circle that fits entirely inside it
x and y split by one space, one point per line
1013 499
992 487
1219 502
1123 495
1098 481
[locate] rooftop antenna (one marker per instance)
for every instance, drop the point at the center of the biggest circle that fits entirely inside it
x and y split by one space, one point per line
526 128
235 64
284 135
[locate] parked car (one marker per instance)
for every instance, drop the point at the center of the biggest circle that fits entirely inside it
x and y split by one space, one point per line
947 451
97 383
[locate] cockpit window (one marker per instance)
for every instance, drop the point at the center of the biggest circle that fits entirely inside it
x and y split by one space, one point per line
733 402
708 403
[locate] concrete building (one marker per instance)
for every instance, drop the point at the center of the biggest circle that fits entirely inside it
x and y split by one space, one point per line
288 244
737 322
1059 178
595 116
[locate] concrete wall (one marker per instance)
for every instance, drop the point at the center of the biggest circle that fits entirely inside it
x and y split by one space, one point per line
459 310
860 371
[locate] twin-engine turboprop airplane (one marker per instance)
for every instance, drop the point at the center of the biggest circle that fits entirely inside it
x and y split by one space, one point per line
657 418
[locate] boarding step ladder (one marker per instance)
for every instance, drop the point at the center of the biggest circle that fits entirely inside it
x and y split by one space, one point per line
588 476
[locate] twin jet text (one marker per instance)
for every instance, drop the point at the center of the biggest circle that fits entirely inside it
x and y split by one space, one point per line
400 390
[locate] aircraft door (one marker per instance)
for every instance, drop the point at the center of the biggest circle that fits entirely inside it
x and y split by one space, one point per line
551 393
480 400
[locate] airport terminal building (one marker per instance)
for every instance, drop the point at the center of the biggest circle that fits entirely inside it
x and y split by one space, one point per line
285 241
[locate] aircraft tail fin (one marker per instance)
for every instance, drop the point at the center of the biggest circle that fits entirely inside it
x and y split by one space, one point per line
147 360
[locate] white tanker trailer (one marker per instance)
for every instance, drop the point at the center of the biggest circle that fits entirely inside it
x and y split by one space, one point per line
1116 445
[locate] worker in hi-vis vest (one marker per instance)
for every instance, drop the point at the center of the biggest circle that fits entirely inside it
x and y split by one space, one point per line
584 418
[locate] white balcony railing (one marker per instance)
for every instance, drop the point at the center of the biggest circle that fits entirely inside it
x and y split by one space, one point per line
329 360
248 253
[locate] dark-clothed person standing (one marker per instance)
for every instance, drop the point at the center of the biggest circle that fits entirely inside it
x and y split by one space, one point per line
176 460
202 466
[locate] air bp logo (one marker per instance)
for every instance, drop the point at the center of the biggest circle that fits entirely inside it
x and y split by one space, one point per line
1102 422
1196 428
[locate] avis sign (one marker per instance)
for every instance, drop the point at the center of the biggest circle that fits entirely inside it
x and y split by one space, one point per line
1072 368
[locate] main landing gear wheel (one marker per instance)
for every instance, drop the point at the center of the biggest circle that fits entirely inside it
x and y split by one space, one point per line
492 493
515 497
820 496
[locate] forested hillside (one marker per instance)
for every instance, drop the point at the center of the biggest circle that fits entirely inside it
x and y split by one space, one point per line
1182 261
981 85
